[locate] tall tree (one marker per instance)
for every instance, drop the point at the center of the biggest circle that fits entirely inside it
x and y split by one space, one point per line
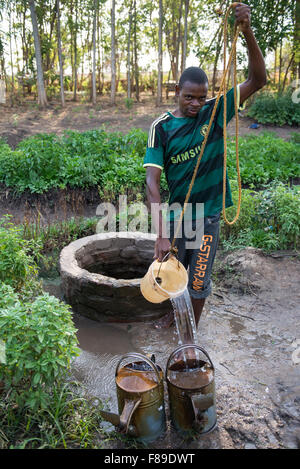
135 47
113 53
94 97
128 53
173 30
160 54
75 52
42 97
60 58
185 34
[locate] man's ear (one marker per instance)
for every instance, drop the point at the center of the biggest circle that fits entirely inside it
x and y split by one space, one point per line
177 91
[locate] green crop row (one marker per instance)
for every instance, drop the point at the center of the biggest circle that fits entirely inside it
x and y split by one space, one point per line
114 162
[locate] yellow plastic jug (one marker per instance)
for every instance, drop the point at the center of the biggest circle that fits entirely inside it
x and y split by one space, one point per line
164 280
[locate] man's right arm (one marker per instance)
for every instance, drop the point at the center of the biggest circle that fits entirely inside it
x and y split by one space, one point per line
162 244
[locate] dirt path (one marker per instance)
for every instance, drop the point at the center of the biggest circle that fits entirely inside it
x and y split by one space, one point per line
20 122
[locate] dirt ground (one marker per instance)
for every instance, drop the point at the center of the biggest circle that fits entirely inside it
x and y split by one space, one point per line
250 326
17 123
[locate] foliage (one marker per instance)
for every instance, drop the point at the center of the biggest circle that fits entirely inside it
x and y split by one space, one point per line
40 343
38 407
17 266
114 162
111 160
269 219
70 421
278 109
264 158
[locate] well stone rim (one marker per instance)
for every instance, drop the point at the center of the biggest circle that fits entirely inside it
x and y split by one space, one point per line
103 297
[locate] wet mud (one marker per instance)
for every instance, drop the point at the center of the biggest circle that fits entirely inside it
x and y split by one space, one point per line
252 340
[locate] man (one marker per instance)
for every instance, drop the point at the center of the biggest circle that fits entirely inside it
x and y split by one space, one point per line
173 145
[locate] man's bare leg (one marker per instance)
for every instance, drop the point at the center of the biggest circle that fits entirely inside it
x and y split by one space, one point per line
166 321
198 305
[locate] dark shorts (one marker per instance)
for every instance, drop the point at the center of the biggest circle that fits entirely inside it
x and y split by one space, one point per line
200 259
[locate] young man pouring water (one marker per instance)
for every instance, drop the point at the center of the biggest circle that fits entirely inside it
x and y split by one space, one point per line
174 142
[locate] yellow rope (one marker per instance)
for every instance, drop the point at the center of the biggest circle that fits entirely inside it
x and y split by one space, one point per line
236 121
222 88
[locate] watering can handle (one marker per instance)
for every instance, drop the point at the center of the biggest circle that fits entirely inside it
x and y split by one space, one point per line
142 358
129 408
185 346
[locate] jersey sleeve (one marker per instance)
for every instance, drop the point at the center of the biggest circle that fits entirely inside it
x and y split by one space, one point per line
155 151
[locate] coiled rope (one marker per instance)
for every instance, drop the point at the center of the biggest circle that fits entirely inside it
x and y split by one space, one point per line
223 87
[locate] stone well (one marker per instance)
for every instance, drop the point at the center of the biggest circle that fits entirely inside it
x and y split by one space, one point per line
101 277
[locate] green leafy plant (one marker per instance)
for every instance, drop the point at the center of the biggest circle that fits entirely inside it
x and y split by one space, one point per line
129 103
269 219
264 158
278 109
40 344
17 265
114 162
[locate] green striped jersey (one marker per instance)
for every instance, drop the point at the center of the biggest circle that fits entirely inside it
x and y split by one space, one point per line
174 144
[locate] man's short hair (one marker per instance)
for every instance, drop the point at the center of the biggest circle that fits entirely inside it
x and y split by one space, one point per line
194 75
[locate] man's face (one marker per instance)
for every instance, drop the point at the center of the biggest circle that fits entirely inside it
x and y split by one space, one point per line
191 98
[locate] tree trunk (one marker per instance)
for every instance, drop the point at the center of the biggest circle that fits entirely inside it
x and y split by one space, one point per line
218 51
42 98
280 65
75 53
100 86
60 58
160 55
185 34
136 67
275 66
94 97
113 55
287 71
296 43
128 54
12 91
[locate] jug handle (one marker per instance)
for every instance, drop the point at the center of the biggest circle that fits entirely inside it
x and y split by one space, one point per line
201 402
141 358
128 410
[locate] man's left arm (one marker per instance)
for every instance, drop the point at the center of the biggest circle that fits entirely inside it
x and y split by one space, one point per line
257 76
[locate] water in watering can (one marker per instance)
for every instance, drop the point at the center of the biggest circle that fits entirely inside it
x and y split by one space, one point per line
190 373
130 381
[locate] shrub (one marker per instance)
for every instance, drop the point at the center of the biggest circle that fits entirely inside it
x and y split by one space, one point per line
269 219
17 266
277 109
40 343
264 158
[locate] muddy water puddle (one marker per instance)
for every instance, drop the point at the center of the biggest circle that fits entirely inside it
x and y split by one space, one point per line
103 345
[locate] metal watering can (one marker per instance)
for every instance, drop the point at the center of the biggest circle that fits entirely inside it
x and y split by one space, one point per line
191 389
140 393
